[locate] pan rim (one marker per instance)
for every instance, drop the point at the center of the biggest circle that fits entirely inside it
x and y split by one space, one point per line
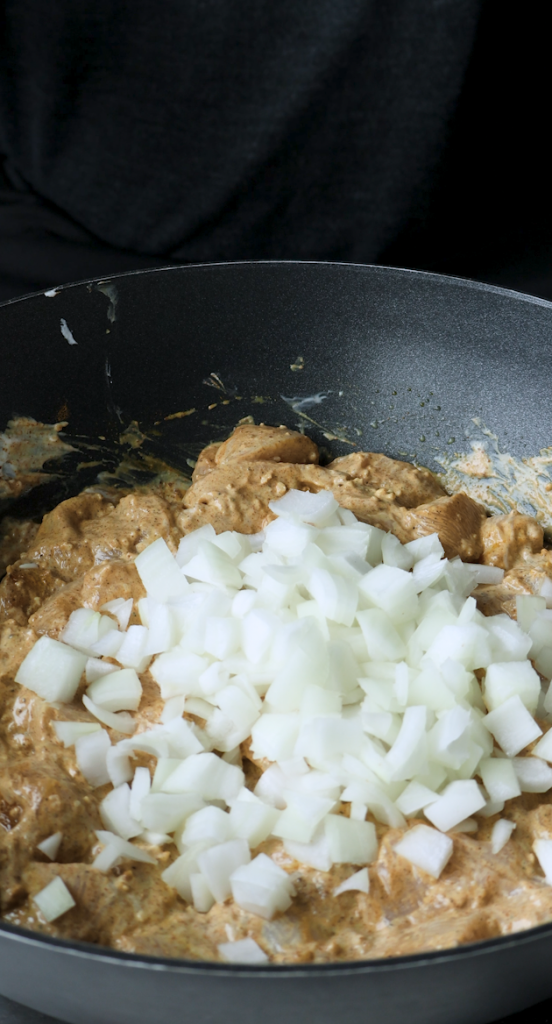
431 276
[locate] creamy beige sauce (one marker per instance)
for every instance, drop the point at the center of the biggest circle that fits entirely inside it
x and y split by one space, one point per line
83 554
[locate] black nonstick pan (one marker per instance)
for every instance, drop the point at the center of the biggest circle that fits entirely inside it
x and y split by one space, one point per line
151 366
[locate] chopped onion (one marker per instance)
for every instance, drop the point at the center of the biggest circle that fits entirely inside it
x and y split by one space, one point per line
426 849
69 732
52 670
243 951
91 751
51 845
502 830
121 722
261 886
54 900
359 882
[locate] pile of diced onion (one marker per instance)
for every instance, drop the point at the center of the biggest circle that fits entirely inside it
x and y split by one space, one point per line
346 660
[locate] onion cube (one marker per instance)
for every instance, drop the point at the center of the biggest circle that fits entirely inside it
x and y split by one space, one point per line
414 798
212 565
52 670
262 887
533 774
502 830
159 572
208 775
177 672
468 644
543 850
301 817
336 597
359 882
499 778
115 813
165 812
121 609
351 842
222 636
141 785
96 668
202 896
528 607
132 652
54 900
91 751
408 755
258 631
69 732
512 726
315 854
85 628
391 589
115 848
207 823
243 951
382 640
426 849
118 765
122 721
51 845
189 545
218 863
118 691
274 736
307 507
252 820
543 748
504 679
459 800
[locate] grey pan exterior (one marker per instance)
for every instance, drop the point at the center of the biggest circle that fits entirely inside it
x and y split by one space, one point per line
394 360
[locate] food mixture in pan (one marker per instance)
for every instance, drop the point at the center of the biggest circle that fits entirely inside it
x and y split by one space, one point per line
283 714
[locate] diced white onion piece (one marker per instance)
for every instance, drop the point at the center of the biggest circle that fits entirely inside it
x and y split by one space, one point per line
189 545
426 849
543 748
85 628
336 597
408 755
91 752
502 830
51 845
160 572
543 850
302 815
165 812
499 778
258 631
118 766
243 951
503 680
109 645
141 785
315 854
460 799
54 900
383 642
177 875
212 565
115 844
351 842
119 691
207 823
208 775
315 509
261 887
52 670
178 672
115 813
414 798
274 736
391 589
163 633
533 774
359 882
182 739
218 863
252 820
222 636
122 722
512 726
132 652
121 609
69 732
202 896
422 547
174 708
95 668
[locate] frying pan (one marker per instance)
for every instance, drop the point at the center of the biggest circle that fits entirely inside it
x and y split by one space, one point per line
382 359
